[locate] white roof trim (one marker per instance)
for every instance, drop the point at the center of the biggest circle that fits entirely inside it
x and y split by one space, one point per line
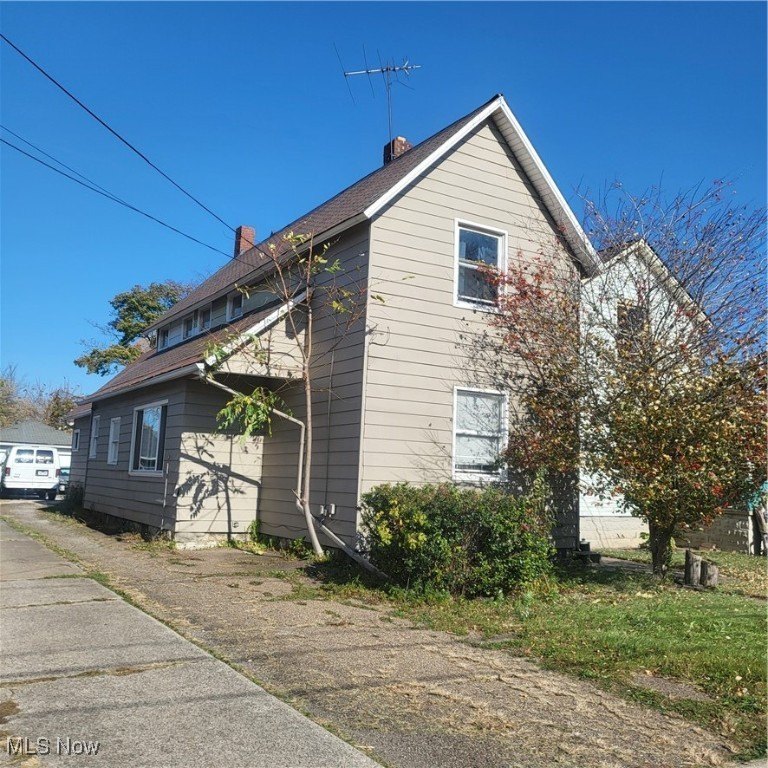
532 165
255 330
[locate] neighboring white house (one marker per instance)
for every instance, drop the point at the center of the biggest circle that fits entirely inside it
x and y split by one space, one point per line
35 433
631 287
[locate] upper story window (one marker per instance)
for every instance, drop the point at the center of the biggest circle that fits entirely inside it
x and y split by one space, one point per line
162 338
189 326
632 327
205 319
479 428
235 306
477 247
76 440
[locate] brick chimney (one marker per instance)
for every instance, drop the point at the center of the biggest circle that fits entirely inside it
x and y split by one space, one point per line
395 148
245 238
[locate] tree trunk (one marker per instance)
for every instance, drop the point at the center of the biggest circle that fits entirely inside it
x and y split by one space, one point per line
311 530
660 541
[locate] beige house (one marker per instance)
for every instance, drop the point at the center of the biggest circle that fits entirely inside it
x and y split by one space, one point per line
400 398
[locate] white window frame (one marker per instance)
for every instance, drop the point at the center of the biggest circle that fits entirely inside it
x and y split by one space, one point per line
163 337
230 299
114 440
93 443
193 328
75 441
476 477
501 260
204 327
148 473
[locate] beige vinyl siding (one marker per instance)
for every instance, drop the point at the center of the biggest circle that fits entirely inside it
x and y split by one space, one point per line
337 409
110 488
420 345
219 475
77 469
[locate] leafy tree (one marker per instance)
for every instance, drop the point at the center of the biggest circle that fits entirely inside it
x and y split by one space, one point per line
133 312
647 378
21 402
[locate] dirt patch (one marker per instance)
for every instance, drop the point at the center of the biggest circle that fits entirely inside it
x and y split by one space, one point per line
411 697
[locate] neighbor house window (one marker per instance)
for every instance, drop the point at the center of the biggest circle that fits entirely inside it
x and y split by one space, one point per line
476 250
94 437
632 324
479 425
162 338
235 306
189 326
205 319
148 438
113 448
76 440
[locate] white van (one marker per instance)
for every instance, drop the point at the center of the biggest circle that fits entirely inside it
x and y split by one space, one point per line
33 469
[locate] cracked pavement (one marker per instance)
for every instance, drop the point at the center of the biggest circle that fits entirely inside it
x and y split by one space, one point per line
80 665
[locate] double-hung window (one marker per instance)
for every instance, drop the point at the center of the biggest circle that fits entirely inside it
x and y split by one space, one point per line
479 427
477 250
113 447
148 438
94 443
235 306
189 326
162 338
205 319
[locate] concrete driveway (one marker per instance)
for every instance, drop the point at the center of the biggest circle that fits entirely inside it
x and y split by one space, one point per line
88 680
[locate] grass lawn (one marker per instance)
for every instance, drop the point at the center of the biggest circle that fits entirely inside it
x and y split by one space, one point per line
745 574
611 626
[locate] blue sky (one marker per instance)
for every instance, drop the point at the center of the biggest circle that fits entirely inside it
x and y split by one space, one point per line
244 104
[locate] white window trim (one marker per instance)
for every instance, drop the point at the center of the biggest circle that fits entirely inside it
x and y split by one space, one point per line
501 261
75 441
193 330
148 473
110 458
93 443
476 477
209 310
231 296
167 331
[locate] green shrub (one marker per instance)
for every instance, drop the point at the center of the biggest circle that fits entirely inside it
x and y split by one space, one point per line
459 540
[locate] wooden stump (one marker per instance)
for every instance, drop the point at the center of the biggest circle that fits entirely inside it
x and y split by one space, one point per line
692 576
709 574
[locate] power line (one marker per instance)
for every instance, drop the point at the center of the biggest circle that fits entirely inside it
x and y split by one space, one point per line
115 133
101 191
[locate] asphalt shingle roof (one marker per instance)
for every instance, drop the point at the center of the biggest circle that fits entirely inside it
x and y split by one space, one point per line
344 206
34 433
158 362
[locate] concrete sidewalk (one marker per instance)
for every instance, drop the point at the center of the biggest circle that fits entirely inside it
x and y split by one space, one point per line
81 665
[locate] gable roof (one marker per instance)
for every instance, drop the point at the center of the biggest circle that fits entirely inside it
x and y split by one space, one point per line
362 201
367 197
34 433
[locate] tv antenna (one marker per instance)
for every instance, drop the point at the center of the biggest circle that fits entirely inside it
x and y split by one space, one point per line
388 72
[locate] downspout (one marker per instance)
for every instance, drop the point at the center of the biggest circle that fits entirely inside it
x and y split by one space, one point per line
310 518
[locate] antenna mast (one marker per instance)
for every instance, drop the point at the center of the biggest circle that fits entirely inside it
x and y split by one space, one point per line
387 71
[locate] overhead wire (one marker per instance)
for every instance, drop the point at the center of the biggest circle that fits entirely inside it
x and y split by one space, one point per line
93 187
